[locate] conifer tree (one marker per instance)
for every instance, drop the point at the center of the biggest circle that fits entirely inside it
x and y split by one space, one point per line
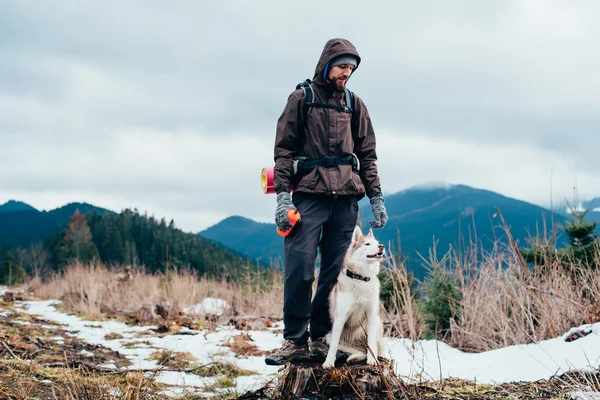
583 240
12 273
77 241
582 248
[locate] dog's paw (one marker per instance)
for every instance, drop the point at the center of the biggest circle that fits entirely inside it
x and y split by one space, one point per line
371 360
328 364
356 357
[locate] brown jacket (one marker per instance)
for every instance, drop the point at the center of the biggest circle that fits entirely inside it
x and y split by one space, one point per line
327 132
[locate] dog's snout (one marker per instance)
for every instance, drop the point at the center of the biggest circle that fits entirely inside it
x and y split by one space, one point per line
381 247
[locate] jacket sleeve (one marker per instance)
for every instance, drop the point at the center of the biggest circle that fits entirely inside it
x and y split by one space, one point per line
287 141
365 148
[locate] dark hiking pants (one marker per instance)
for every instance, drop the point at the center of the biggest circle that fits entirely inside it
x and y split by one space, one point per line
326 222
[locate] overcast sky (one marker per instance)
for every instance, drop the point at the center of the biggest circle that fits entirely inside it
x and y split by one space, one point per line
170 107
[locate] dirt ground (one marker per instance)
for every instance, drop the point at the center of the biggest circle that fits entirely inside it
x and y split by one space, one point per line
40 360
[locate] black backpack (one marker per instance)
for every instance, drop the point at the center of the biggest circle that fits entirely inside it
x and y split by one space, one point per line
309 98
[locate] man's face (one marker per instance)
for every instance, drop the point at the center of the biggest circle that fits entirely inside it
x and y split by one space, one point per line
339 75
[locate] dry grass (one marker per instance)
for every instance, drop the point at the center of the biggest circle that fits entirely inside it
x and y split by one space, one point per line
500 303
502 306
403 313
35 366
240 345
174 359
96 291
22 380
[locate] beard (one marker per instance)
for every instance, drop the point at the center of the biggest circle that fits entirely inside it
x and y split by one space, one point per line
339 85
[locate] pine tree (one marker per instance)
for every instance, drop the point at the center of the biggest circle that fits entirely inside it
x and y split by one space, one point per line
583 243
12 273
8 262
77 241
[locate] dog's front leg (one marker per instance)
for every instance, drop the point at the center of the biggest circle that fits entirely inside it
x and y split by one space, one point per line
340 315
373 335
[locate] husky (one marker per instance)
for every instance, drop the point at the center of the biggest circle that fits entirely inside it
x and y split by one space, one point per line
354 303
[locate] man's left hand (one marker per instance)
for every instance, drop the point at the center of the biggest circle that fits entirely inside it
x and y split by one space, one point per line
381 217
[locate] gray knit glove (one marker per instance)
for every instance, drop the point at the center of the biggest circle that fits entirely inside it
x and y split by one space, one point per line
284 204
379 212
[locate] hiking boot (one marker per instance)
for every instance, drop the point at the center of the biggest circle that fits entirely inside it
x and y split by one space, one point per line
289 351
318 348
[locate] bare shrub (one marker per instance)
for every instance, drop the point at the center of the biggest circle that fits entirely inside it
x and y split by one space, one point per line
500 302
503 306
95 290
401 314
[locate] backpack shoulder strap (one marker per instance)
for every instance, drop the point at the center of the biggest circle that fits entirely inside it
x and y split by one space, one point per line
349 100
309 96
309 100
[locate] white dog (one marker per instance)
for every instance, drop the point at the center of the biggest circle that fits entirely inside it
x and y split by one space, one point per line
354 303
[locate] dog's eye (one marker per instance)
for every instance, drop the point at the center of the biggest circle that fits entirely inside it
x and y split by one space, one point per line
367 244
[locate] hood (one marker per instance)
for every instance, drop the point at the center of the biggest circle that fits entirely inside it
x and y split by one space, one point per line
333 48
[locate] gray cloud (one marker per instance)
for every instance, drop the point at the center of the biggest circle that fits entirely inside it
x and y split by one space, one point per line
146 101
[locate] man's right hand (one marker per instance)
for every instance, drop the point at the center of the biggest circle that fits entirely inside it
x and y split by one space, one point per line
284 204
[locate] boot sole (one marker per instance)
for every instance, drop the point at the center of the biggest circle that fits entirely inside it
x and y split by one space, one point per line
282 360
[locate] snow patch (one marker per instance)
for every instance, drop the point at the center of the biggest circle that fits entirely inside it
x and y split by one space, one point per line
585 395
16 321
86 353
209 305
414 361
434 185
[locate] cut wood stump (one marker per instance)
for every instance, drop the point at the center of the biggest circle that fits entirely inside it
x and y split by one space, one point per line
308 380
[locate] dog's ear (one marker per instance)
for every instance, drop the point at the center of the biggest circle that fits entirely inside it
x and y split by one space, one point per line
370 233
356 234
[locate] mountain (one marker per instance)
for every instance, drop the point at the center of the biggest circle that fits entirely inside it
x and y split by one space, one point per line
13 205
255 239
126 238
453 216
594 205
21 224
417 217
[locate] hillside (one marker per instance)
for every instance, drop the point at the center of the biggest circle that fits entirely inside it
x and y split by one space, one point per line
594 206
13 205
453 217
418 216
258 240
126 238
21 224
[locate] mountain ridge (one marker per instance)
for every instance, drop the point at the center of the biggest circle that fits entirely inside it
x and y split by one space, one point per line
453 215
15 205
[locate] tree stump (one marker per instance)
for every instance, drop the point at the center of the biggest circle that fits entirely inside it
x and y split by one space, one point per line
308 380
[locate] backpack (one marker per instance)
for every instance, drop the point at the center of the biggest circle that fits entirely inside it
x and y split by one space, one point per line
302 163
309 98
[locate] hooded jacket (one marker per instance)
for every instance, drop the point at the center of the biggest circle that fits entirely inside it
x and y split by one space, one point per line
326 132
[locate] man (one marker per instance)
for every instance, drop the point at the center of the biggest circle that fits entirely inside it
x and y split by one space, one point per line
325 153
